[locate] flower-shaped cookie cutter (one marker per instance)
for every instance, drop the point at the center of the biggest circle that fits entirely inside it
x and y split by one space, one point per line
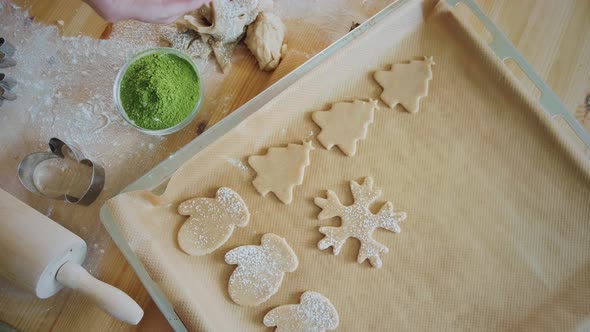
27 166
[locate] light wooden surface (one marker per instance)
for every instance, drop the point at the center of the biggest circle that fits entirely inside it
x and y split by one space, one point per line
553 35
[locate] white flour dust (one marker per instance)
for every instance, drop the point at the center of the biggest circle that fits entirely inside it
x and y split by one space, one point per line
238 164
65 87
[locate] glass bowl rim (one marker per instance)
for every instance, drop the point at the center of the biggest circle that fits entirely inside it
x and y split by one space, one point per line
117 91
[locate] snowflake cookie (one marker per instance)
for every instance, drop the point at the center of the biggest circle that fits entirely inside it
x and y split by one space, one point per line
358 221
280 170
211 221
260 269
406 83
345 124
315 313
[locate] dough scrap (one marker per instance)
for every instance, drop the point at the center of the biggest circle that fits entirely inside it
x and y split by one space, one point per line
358 221
260 269
224 54
280 170
211 221
222 24
264 39
406 83
199 48
177 38
345 124
224 20
219 26
315 313
185 40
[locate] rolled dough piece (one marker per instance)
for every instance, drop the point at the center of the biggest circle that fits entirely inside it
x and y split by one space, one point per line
280 170
223 54
264 39
223 20
358 221
221 24
260 269
211 221
406 83
315 313
345 124
177 38
185 40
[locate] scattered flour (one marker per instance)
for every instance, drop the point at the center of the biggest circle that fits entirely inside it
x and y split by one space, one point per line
65 90
314 313
260 269
238 164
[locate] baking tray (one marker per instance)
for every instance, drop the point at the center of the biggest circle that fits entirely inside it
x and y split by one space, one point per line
156 179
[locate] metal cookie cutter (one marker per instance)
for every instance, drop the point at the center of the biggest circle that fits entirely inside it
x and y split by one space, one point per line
27 166
6 84
5 93
6 53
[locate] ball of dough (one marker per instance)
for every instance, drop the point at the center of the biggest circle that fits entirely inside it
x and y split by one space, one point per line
265 38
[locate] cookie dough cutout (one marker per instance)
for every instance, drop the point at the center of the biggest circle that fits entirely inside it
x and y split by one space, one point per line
211 221
280 170
260 269
345 124
358 221
315 313
406 83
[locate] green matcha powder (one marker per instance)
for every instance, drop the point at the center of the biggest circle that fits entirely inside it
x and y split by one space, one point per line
159 90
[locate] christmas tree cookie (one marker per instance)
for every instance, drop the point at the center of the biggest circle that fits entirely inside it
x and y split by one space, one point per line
406 83
280 170
345 124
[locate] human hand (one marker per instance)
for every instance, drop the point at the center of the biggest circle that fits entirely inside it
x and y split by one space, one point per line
151 11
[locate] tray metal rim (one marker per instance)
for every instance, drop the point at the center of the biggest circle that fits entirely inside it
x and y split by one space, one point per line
501 46
161 172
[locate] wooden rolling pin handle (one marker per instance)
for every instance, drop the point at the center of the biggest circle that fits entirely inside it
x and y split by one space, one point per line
108 298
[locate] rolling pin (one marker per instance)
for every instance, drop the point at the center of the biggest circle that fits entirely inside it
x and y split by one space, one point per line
42 256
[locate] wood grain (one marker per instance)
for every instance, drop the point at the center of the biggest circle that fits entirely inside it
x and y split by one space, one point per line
553 35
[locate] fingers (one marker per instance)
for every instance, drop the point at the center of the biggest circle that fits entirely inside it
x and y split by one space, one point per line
151 11
164 11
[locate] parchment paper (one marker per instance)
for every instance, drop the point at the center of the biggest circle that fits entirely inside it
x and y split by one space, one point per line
498 228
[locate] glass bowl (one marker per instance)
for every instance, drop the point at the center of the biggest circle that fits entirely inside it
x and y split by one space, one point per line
119 104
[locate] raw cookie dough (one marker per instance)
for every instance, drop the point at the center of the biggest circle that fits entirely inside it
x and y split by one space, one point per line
315 313
222 20
260 269
221 24
211 221
345 124
406 83
185 40
280 170
264 39
358 221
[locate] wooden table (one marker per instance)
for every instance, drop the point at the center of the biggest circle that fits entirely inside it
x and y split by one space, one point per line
553 35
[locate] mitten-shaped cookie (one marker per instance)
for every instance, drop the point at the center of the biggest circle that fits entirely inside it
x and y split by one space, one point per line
260 269
211 221
315 313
